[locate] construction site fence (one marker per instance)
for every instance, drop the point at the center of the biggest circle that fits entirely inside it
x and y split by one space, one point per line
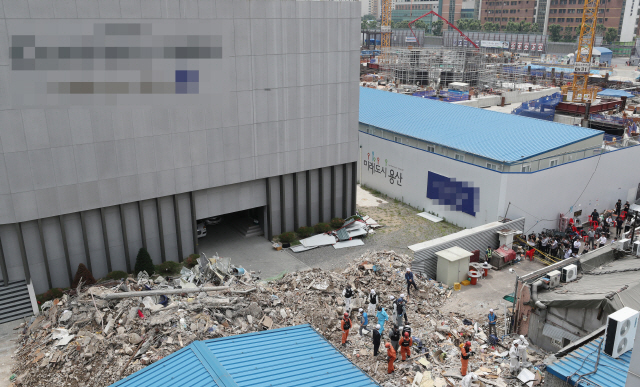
613 120
443 95
542 108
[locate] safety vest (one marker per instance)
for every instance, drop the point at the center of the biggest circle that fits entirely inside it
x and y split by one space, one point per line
373 298
489 252
348 293
406 342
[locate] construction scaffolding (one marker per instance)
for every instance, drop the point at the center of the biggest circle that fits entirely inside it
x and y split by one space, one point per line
520 77
433 66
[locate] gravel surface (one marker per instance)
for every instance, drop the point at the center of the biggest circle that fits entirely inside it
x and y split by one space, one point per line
402 228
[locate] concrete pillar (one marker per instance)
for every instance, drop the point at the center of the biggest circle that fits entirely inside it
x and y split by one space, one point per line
143 233
23 254
105 238
176 213
66 249
320 195
354 186
308 194
345 213
194 223
283 209
86 241
296 215
125 239
269 209
333 192
163 254
3 267
44 253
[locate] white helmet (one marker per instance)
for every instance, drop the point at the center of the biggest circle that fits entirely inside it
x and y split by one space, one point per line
360 310
377 326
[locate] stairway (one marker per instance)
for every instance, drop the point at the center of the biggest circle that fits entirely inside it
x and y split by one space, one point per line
247 228
14 302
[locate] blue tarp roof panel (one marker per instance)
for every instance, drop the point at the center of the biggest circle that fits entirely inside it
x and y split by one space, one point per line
494 135
615 93
292 356
611 372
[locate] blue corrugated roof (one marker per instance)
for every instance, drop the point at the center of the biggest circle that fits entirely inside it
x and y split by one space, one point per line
611 372
497 136
615 93
291 356
603 50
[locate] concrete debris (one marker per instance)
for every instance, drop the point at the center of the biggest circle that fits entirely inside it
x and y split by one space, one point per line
76 342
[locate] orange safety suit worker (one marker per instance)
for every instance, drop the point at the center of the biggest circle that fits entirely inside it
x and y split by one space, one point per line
465 352
405 346
391 353
345 325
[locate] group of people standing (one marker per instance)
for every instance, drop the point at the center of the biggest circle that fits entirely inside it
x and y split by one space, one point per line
400 339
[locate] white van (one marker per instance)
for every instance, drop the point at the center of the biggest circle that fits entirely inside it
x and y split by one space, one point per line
202 230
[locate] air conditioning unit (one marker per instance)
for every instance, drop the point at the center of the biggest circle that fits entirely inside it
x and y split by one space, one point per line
569 273
623 244
554 278
621 332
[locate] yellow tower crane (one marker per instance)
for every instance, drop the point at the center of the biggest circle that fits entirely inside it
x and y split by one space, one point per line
385 30
580 89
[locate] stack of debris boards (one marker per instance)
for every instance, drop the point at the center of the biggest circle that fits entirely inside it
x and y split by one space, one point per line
353 227
95 336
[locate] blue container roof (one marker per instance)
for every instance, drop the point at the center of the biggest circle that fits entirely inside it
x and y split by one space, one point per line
615 93
611 372
292 356
494 135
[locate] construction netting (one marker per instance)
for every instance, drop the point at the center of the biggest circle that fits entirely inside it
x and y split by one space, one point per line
542 108
443 95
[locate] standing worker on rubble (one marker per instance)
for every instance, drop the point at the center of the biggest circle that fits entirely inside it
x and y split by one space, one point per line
401 311
394 336
410 282
345 325
376 340
405 346
514 358
391 356
347 293
465 353
373 302
522 350
493 319
364 320
382 317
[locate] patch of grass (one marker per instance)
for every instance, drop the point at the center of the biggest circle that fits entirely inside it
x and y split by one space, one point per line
322 228
287 237
305 232
167 268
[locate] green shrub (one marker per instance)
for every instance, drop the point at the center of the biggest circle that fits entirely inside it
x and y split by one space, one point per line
322 228
191 260
287 237
117 275
143 262
49 295
336 222
305 232
168 267
85 274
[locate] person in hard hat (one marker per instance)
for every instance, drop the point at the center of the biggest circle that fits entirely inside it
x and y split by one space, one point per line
376 340
373 302
394 336
408 276
391 356
345 324
465 353
405 346
382 317
514 358
347 293
522 349
467 380
364 320
493 319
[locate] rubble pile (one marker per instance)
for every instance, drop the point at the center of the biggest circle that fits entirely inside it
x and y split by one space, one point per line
96 336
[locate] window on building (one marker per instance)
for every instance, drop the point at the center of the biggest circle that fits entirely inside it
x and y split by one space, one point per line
431 148
553 11
512 19
579 11
553 163
562 10
492 166
504 19
563 2
572 1
569 20
599 20
459 157
512 11
526 168
560 20
397 139
552 20
571 11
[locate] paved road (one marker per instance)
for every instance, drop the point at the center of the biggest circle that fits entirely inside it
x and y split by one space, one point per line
8 345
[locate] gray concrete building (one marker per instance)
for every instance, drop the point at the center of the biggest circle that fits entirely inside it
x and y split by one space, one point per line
124 122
